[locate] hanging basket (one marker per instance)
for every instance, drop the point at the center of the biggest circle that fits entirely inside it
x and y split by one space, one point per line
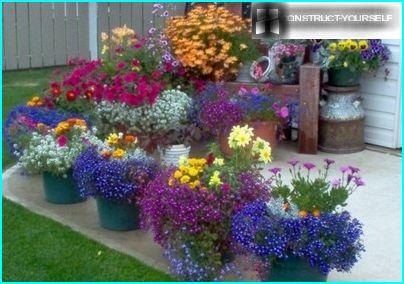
60 190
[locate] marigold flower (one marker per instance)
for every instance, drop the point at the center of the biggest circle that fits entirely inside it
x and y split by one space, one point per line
184 179
112 139
129 139
118 153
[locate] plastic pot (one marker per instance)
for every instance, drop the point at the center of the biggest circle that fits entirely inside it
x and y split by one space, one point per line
117 215
343 77
294 269
60 190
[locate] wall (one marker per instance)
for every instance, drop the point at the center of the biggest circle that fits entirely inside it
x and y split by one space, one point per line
382 101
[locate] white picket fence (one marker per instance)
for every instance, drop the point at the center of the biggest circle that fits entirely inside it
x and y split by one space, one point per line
47 34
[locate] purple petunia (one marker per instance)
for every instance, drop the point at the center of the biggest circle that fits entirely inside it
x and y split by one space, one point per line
344 169
329 161
275 170
309 166
293 162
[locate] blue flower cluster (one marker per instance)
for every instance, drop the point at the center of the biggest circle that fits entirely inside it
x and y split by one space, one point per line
256 104
330 241
184 266
110 178
22 120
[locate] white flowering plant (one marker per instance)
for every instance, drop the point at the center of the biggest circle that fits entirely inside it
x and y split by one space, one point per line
55 150
168 112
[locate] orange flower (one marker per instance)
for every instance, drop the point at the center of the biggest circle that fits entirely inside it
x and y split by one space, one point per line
129 139
106 153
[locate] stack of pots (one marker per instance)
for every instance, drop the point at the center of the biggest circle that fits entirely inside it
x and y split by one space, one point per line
341 124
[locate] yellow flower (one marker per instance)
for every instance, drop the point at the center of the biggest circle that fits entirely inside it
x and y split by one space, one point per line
243 46
332 46
171 181
215 179
265 155
218 162
113 139
104 36
118 153
184 179
332 57
192 172
259 144
183 160
194 184
345 64
177 174
240 136
363 44
341 45
353 45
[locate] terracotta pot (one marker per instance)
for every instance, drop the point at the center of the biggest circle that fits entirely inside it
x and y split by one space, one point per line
266 130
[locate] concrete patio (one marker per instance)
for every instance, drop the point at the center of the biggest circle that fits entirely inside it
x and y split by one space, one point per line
377 205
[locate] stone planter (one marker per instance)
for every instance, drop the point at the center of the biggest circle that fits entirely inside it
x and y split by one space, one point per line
170 155
60 190
117 215
266 130
343 77
341 123
294 269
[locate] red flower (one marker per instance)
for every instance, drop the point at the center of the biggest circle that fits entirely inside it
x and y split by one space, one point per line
70 96
156 74
210 159
121 65
62 140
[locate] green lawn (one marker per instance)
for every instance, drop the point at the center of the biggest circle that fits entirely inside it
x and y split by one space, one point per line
36 248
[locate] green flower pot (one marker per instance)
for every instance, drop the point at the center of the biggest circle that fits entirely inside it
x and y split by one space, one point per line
60 190
117 215
343 77
294 269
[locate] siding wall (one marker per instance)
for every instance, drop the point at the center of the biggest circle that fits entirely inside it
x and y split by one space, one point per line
382 102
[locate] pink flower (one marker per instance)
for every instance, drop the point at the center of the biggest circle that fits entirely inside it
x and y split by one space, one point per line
255 91
121 65
62 140
283 112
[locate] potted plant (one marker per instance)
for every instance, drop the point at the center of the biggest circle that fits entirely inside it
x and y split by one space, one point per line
115 174
287 57
262 113
211 43
22 121
176 142
147 121
303 233
346 60
189 207
52 152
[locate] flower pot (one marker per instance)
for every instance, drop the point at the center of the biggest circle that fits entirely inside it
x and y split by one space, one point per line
266 130
343 77
286 72
294 269
170 155
117 215
243 75
60 190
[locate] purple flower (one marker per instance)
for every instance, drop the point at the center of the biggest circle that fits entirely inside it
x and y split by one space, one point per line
255 91
336 183
293 162
275 171
329 162
165 14
353 170
158 6
358 181
152 31
283 112
344 169
309 166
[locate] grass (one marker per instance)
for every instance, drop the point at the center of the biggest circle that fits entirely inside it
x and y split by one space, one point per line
18 88
36 248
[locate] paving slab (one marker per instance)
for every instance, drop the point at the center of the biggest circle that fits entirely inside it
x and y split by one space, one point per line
378 206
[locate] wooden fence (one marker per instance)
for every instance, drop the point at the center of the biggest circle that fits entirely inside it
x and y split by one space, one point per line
47 34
